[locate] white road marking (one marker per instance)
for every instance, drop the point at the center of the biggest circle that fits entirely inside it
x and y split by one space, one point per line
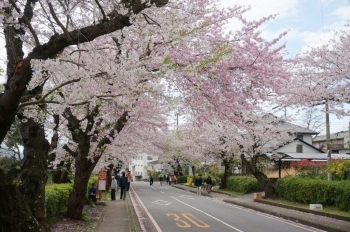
232 227
187 196
284 221
161 202
149 215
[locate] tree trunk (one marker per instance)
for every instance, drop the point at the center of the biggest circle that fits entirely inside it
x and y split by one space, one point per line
15 215
260 176
227 165
193 172
34 169
83 170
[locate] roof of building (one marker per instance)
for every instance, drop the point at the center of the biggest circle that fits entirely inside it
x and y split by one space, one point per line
309 156
338 135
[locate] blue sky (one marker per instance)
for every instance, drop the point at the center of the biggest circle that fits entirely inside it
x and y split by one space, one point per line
309 22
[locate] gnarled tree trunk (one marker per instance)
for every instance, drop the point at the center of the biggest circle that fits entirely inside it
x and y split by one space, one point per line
259 175
34 169
15 215
83 170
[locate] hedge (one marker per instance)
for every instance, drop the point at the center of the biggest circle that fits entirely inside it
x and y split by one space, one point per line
56 198
182 179
314 191
243 184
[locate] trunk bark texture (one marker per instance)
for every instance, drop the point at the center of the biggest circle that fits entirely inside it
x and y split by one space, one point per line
226 165
260 176
34 169
15 215
83 170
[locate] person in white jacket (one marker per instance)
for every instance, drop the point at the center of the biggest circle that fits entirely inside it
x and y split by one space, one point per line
113 188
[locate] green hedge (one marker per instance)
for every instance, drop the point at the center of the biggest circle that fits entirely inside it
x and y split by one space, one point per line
243 184
56 198
314 191
182 179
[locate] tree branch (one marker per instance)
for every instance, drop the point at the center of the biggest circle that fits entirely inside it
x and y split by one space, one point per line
26 21
102 11
66 33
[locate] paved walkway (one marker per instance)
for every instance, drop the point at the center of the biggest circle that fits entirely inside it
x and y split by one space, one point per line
121 216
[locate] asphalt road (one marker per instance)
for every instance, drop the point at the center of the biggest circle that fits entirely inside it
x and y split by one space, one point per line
172 209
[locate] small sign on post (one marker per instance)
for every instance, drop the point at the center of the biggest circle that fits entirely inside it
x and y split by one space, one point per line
102 184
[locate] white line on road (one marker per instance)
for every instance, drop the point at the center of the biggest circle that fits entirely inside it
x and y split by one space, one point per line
283 221
149 215
209 215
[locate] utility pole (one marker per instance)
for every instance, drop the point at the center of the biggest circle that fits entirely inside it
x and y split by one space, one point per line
328 140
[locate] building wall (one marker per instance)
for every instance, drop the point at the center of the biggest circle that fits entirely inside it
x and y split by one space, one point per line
139 166
292 147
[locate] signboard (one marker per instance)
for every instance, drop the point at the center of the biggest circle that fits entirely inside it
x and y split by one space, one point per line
102 183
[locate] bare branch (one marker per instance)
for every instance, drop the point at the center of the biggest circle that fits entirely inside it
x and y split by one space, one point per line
66 33
42 100
149 20
27 22
102 11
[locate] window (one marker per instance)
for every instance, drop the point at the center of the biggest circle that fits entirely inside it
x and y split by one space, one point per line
149 157
299 148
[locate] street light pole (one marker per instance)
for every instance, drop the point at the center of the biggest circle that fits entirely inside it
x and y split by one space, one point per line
328 138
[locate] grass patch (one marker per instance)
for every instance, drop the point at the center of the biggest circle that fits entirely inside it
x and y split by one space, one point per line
229 192
330 210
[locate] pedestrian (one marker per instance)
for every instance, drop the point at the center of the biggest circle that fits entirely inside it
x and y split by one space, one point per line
209 184
150 180
92 193
198 183
123 186
113 188
161 179
167 179
174 179
129 177
117 178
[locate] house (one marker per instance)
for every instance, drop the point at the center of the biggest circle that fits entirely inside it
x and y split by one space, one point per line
339 142
278 159
139 166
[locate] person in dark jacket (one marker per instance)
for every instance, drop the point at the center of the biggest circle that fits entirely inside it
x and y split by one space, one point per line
92 193
209 184
150 180
198 183
123 186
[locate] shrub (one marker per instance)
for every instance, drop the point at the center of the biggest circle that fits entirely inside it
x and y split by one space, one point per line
243 184
315 191
182 179
56 198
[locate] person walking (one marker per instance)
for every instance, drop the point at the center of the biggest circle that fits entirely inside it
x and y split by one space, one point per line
198 183
113 188
168 179
150 180
161 179
129 177
123 186
174 179
209 184
117 178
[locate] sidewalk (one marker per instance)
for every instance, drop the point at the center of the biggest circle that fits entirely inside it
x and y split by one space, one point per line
120 215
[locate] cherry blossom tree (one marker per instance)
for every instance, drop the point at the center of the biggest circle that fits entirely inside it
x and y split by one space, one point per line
321 76
42 34
217 75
